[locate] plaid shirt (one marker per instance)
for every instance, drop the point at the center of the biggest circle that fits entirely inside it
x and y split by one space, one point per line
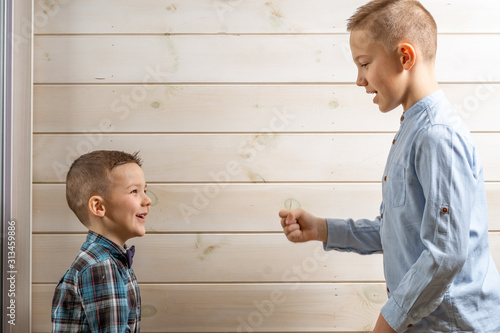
99 293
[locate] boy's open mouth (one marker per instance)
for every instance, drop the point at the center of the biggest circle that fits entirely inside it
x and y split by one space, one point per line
373 92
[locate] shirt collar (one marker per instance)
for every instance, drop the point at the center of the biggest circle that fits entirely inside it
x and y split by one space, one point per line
424 103
114 249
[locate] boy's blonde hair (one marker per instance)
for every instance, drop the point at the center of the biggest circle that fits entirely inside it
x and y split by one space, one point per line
393 21
89 175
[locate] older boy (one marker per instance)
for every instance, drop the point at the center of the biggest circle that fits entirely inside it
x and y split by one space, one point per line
99 293
432 227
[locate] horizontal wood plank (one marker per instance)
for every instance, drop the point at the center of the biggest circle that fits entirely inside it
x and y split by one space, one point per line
222 258
233 208
238 108
238 16
225 158
223 208
209 108
294 307
233 58
216 258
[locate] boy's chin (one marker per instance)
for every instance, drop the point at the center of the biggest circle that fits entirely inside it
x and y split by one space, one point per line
385 108
139 232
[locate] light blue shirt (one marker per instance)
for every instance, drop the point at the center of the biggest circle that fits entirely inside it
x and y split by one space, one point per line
432 228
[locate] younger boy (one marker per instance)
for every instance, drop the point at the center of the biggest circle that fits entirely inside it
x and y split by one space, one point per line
99 293
432 228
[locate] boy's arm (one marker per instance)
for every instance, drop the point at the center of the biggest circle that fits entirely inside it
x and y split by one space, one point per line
361 236
446 169
105 298
382 326
67 312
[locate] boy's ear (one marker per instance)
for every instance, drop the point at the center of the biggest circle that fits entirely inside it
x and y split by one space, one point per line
96 206
407 55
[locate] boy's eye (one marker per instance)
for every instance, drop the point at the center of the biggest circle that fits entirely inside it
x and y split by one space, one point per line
364 65
134 191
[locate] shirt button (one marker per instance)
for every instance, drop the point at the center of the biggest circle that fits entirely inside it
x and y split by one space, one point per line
444 210
385 178
388 290
410 325
382 215
394 141
402 118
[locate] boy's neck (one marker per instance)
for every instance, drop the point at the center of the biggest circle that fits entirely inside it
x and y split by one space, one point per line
422 83
103 232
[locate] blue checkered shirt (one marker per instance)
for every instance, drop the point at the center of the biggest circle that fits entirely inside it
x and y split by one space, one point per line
99 293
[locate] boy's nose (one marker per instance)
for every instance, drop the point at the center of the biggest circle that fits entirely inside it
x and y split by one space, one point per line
147 200
360 81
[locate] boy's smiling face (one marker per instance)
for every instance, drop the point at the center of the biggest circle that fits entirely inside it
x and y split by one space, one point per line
126 204
379 71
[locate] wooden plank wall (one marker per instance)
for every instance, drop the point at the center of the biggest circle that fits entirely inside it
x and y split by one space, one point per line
239 108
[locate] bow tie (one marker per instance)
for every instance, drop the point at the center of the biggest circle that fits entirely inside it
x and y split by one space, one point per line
130 255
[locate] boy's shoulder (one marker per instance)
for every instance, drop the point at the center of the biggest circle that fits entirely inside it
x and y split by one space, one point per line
439 112
95 252
91 254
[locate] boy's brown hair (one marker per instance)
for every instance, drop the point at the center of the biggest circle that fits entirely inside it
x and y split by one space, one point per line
393 21
89 175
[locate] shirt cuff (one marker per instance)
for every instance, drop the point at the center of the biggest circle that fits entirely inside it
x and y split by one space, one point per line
396 317
337 234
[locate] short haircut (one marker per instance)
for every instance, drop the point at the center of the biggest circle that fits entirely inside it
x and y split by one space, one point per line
393 21
89 176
